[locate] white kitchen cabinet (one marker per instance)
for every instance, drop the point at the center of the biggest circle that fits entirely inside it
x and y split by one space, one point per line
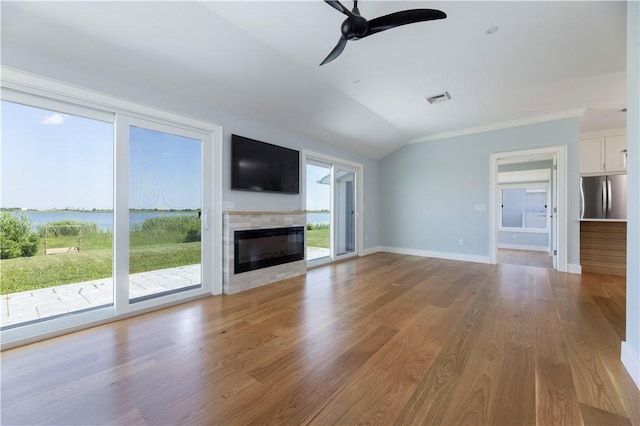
592 155
603 155
616 153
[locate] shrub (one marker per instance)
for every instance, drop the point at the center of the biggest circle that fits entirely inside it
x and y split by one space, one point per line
68 227
184 228
314 226
193 234
16 237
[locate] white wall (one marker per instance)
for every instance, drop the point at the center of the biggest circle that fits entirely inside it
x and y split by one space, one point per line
428 190
136 90
631 348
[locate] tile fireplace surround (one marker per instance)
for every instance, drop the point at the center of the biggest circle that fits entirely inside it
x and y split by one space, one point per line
244 220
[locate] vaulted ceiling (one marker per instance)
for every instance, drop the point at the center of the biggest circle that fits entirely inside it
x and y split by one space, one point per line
260 59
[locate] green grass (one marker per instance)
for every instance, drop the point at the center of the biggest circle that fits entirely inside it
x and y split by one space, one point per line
30 273
318 237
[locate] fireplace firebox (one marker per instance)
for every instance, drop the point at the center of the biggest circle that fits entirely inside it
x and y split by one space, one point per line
261 248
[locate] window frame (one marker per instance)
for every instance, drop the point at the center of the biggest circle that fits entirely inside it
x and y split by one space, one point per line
525 186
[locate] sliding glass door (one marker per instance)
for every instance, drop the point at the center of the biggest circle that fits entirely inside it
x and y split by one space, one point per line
332 209
319 207
56 223
102 214
165 187
345 208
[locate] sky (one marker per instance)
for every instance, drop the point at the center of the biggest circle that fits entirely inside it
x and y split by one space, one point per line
52 160
318 195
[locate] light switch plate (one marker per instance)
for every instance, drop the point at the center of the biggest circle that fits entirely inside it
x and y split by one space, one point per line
480 207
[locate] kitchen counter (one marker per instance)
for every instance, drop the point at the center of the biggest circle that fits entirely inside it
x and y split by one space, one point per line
603 220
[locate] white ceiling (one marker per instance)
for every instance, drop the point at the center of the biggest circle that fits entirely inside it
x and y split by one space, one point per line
261 59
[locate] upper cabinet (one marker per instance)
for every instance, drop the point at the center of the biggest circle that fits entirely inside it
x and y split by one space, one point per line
603 155
615 156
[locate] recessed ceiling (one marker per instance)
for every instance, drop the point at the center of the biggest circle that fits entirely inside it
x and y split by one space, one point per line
260 59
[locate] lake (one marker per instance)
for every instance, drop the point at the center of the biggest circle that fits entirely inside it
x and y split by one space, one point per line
105 219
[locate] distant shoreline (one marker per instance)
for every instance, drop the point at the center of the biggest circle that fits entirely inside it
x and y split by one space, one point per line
14 209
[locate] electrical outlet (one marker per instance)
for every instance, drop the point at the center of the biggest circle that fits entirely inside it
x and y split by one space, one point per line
460 242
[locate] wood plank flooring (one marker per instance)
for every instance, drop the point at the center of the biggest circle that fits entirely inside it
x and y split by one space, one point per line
540 259
384 339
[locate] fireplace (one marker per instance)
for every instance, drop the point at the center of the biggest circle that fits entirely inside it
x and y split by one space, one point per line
261 248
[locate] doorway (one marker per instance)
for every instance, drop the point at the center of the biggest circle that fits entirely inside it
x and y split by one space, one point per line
333 200
528 208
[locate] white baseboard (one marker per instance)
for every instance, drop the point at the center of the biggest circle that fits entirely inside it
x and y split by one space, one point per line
631 362
523 247
370 250
574 269
437 254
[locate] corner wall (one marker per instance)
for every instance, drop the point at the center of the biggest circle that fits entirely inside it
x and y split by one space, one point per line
428 190
631 347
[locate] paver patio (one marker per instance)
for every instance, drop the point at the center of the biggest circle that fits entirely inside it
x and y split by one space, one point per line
47 302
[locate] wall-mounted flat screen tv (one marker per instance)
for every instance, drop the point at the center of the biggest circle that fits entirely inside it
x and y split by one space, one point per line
261 166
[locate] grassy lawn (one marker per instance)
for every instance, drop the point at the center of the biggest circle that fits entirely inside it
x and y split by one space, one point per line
318 237
29 273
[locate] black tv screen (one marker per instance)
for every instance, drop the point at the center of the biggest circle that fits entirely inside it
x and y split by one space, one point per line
261 166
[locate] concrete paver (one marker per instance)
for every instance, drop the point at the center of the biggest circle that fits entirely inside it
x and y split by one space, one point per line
42 303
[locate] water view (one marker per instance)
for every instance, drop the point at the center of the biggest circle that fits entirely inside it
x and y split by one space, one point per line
104 219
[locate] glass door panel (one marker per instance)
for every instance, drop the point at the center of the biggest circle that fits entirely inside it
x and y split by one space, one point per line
345 212
56 223
165 202
318 187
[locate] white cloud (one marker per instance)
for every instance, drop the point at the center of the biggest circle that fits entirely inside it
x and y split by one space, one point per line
54 119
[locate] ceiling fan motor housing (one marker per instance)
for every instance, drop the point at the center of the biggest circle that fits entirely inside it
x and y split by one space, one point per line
355 27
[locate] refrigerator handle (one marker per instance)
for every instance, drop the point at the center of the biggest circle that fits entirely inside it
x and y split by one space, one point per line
608 197
604 197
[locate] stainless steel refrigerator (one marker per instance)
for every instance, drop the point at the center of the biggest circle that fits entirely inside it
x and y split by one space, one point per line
603 197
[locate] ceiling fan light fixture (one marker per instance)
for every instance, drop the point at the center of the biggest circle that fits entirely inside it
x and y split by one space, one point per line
440 97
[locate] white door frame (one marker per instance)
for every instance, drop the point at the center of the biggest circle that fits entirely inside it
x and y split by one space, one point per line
560 231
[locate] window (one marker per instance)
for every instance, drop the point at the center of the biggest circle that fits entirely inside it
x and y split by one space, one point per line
108 204
524 208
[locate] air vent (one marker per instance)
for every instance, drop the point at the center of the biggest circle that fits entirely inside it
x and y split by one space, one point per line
440 97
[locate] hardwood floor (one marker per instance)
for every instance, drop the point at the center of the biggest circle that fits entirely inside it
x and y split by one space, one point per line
540 259
384 339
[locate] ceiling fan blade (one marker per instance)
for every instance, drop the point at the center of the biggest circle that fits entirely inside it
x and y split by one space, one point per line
403 18
338 6
336 51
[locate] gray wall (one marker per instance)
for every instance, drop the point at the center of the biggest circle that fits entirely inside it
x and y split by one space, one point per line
536 239
137 91
633 206
428 190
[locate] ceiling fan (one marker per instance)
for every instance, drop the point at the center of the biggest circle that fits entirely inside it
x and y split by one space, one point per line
356 27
